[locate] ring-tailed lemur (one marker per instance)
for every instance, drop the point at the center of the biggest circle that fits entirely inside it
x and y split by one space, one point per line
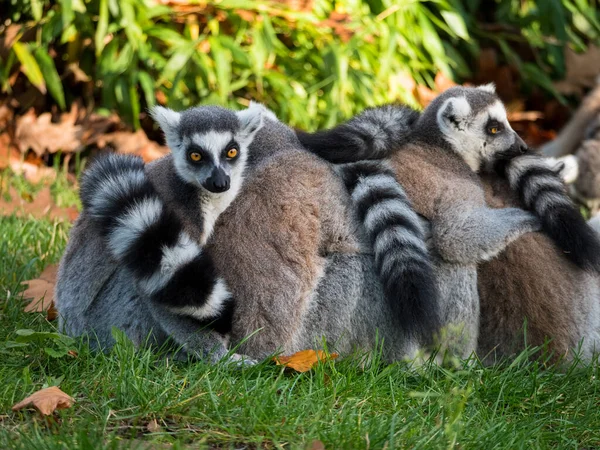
286 249
164 257
473 125
144 234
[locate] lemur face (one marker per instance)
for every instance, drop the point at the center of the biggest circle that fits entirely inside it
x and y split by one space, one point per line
473 121
209 143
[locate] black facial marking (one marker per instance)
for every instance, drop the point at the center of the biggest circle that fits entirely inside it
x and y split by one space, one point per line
195 148
493 123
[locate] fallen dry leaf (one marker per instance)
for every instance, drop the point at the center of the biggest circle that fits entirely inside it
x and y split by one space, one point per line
304 360
41 291
40 134
317 445
130 143
41 205
153 426
46 401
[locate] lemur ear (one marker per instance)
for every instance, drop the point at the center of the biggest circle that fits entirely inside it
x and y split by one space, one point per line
454 112
251 120
490 87
168 120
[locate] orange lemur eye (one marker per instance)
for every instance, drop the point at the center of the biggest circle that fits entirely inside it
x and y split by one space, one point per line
494 130
232 152
195 156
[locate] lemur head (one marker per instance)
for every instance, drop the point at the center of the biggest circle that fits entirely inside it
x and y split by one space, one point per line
473 122
210 143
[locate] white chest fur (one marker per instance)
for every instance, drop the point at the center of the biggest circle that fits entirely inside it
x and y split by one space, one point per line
213 206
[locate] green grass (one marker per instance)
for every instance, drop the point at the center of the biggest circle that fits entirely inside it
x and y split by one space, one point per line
518 405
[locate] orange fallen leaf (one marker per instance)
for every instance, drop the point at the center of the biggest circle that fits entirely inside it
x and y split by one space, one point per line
41 291
304 360
317 445
46 401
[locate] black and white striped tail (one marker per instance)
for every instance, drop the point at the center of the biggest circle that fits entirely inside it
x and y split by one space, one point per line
167 265
372 134
543 192
401 257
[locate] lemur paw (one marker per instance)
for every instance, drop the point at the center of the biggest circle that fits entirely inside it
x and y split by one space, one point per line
239 361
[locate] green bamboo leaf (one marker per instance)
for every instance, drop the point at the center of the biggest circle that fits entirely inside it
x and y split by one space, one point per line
102 27
147 85
67 11
222 58
134 100
176 63
37 9
456 23
30 66
51 76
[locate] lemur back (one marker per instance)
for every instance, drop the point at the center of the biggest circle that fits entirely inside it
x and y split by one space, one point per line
452 141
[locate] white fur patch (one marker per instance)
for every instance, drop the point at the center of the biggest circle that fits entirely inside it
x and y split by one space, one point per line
490 87
168 120
498 112
267 113
116 186
215 204
184 251
213 305
571 170
131 224
251 120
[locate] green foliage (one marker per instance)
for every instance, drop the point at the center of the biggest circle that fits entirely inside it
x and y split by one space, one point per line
312 67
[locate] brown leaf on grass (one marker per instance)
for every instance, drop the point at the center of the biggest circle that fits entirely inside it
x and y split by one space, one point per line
317 445
40 134
39 206
31 171
153 426
46 401
41 291
304 360
8 152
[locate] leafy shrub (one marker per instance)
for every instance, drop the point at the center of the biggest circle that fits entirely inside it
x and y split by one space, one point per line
314 63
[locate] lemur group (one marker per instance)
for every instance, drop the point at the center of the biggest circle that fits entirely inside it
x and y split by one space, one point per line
416 233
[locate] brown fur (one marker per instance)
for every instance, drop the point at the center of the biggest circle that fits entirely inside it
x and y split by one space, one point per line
531 280
291 213
431 176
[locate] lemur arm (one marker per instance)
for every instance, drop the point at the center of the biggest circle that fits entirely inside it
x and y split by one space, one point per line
469 235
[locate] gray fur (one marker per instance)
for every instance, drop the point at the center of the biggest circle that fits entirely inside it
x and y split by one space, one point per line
300 293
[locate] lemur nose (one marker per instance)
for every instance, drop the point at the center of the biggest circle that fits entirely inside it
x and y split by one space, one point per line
522 145
221 185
